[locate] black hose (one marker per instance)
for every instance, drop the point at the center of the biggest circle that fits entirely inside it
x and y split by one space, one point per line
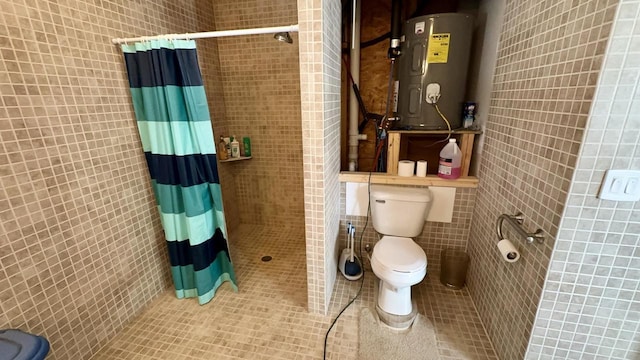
372 42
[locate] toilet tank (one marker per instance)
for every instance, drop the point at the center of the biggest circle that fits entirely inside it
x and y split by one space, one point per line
399 211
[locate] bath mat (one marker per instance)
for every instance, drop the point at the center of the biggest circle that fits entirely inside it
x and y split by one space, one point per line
378 342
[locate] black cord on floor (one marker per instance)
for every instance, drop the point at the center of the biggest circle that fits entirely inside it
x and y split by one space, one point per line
326 336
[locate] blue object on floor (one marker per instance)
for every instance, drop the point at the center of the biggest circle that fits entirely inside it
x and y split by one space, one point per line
19 345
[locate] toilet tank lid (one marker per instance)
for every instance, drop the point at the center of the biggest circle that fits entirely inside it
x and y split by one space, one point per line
400 193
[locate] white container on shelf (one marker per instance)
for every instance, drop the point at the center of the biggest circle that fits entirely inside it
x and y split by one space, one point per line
235 148
450 161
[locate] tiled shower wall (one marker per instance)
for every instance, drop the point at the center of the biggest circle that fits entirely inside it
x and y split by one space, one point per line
261 88
209 61
320 49
549 58
210 67
81 246
332 53
590 307
435 236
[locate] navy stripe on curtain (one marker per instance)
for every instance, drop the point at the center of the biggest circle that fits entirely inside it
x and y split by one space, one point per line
181 253
145 68
187 170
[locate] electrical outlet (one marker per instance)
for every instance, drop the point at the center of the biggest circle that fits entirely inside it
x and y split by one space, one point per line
621 185
433 93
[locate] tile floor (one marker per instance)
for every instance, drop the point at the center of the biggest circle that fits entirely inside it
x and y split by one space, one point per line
267 318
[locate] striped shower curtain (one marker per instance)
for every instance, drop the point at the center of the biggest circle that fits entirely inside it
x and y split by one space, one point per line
175 128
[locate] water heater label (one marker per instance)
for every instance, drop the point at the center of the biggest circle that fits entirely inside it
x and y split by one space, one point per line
438 49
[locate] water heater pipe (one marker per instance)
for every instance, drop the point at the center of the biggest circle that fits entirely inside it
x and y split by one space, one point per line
355 74
396 29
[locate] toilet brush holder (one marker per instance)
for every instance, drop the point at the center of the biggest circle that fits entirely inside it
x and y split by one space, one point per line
351 270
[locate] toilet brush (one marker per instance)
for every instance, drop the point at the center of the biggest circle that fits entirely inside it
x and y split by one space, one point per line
351 266
352 242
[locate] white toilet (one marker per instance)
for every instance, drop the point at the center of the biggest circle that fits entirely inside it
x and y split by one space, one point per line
398 213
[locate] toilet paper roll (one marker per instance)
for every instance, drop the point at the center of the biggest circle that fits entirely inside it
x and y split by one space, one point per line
508 251
421 168
405 168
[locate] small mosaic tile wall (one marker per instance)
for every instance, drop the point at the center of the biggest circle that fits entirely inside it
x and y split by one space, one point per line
590 307
81 246
210 67
261 90
550 54
331 89
435 235
320 49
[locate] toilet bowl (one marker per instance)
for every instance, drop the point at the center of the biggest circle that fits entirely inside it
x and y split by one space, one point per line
399 263
398 213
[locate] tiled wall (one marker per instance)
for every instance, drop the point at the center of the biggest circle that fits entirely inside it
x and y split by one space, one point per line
320 94
81 246
484 53
590 307
261 87
332 52
210 67
435 235
209 60
549 58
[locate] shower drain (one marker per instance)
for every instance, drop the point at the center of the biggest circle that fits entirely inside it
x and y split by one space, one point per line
266 258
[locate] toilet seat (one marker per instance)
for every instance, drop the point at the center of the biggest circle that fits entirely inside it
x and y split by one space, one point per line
399 254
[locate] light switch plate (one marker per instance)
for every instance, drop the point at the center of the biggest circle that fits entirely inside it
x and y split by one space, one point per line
620 185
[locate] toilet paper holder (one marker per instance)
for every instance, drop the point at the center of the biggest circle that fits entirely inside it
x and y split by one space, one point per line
516 222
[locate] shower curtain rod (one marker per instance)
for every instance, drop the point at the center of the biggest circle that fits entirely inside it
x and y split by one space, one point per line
211 34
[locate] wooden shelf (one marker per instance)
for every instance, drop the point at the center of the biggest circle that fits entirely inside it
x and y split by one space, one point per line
437 132
399 140
430 180
236 159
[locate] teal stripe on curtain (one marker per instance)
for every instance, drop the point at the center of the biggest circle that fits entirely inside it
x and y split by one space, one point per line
158 44
196 229
199 282
151 103
176 138
193 200
174 123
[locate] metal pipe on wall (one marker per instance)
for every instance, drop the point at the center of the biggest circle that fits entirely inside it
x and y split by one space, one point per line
396 29
355 74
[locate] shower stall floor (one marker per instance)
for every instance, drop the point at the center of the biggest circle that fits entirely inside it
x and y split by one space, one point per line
268 318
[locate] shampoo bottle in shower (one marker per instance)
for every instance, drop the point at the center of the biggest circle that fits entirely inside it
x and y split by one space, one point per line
222 149
450 161
247 146
235 147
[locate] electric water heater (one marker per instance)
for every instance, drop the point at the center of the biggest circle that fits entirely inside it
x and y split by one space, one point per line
432 71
